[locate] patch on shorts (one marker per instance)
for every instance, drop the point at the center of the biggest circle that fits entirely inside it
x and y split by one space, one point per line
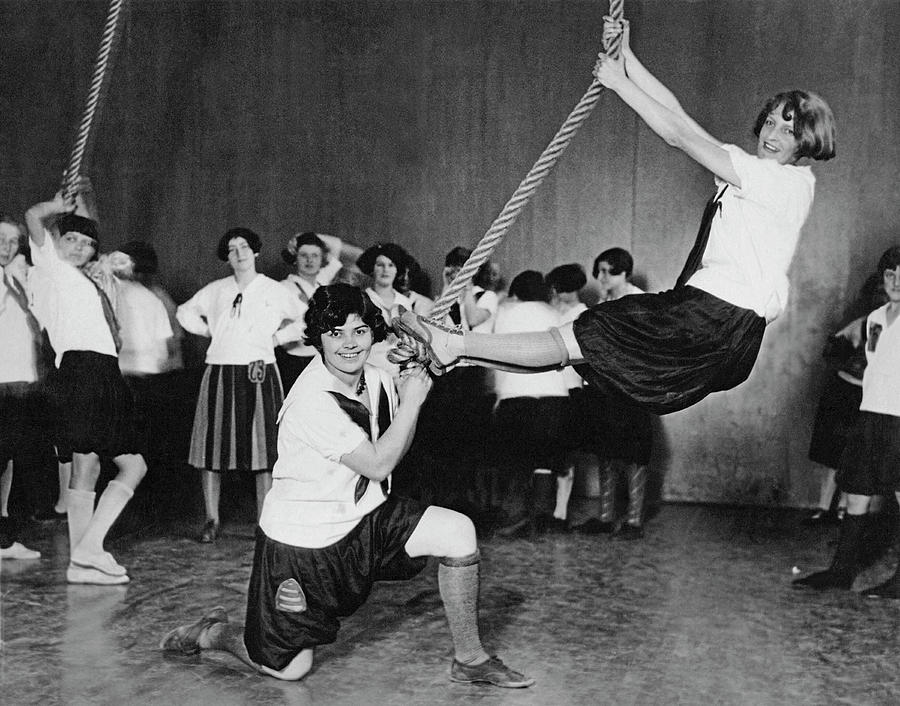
290 597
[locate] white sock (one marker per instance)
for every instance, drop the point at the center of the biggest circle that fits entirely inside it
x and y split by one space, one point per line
80 510
564 485
110 506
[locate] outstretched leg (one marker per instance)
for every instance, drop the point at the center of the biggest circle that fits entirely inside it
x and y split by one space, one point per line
522 352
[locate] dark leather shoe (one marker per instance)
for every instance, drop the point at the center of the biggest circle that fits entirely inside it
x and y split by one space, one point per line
186 638
492 671
594 526
210 532
821 518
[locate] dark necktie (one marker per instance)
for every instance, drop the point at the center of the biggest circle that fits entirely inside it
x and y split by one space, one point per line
16 292
358 413
110 315
695 257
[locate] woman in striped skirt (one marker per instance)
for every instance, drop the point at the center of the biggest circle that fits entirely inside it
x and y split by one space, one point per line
235 422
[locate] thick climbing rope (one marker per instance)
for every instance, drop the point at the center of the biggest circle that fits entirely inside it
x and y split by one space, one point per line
93 104
531 182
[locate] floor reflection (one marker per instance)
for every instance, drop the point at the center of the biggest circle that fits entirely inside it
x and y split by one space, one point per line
700 611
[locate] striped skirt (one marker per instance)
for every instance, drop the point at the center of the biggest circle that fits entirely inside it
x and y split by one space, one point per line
235 426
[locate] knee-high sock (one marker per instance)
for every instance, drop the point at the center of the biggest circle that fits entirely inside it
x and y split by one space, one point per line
110 506
607 491
80 509
637 483
458 585
564 485
541 349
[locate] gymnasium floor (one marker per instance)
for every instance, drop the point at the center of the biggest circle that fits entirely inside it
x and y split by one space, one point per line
699 612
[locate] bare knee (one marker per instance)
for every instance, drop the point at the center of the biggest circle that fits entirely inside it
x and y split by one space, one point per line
85 471
443 532
132 469
297 669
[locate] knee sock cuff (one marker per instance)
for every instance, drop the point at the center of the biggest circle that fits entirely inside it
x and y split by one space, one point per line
122 487
76 494
460 561
561 344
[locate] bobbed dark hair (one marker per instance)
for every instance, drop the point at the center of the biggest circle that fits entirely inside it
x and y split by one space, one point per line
392 251
813 122
252 239
457 257
529 286
619 259
289 254
889 260
330 306
567 278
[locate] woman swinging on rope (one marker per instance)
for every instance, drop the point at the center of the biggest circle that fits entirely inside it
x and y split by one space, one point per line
668 351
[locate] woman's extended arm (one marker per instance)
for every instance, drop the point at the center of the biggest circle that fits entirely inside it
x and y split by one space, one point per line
646 81
658 107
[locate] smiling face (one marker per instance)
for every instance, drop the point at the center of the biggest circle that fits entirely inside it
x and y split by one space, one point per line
346 348
777 138
76 248
241 256
9 243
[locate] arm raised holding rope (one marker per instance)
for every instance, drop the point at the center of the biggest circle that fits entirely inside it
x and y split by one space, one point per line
659 108
667 351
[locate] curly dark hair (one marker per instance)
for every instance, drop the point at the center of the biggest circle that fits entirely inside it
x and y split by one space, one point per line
330 306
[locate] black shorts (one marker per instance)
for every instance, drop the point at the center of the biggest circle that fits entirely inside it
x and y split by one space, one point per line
619 429
529 433
835 416
870 464
94 407
22 418
335 580
668 351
